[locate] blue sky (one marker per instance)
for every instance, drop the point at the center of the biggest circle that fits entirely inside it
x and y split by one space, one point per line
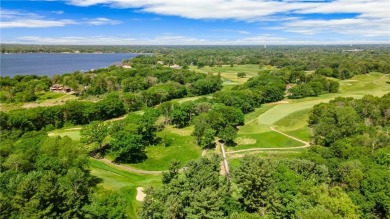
195 22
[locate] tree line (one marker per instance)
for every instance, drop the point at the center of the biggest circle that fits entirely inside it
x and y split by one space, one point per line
151 84
345 174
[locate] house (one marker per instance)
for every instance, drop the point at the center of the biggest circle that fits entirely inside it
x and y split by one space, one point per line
175 66
126 66
60 88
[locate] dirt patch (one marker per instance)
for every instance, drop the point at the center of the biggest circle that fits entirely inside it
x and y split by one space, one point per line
116 119
245 141
204 152
282 102
34 105
71 129
181 132
140 194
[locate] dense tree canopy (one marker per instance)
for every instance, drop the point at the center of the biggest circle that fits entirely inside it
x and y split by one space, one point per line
43 177
199 192
355 145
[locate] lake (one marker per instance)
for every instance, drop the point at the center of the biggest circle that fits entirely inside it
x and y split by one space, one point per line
57 63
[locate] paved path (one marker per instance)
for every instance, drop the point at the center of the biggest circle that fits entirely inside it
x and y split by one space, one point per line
127 168
204 152
226 165
380 79
306 144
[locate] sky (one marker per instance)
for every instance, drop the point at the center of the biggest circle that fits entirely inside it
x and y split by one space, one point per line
195 22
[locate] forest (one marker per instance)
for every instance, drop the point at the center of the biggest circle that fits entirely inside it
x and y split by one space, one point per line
123 114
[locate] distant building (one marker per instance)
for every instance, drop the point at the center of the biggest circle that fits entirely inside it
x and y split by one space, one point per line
175 66
353 50
126 66
60 88
117 64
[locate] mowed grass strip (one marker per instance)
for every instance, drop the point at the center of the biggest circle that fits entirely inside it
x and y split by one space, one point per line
183 148
303 133
229 74
356 87
73 133
116 179
257 112
295 124
263 140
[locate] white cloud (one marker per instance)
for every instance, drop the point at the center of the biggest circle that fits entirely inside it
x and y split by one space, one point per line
14 19
88 40
169 39
146 19
232 31
371 15
35 23
19 19
246 9
11 14
112 40
102 21
352 26
262 39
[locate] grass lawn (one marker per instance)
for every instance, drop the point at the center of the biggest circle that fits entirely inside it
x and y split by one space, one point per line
252 124
295 124
185 99
303 133
229 74
268 139
73 133
257 112
44 99
49 96
358 86
115 179
183 148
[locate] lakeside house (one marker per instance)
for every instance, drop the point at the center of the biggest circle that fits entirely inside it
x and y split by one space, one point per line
175 66
60 88
126 66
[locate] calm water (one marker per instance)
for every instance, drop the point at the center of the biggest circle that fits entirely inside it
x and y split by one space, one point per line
51 64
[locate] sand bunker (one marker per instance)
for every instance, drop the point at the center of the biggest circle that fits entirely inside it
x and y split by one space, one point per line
140 194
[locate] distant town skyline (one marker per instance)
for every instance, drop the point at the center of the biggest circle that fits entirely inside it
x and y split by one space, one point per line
197 22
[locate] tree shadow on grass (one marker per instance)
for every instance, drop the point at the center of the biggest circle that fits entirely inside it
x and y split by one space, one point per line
228 143
210 147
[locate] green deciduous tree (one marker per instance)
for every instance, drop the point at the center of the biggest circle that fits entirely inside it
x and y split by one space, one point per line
127 147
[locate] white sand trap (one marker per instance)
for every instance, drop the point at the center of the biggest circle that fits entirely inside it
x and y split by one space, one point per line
140 194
